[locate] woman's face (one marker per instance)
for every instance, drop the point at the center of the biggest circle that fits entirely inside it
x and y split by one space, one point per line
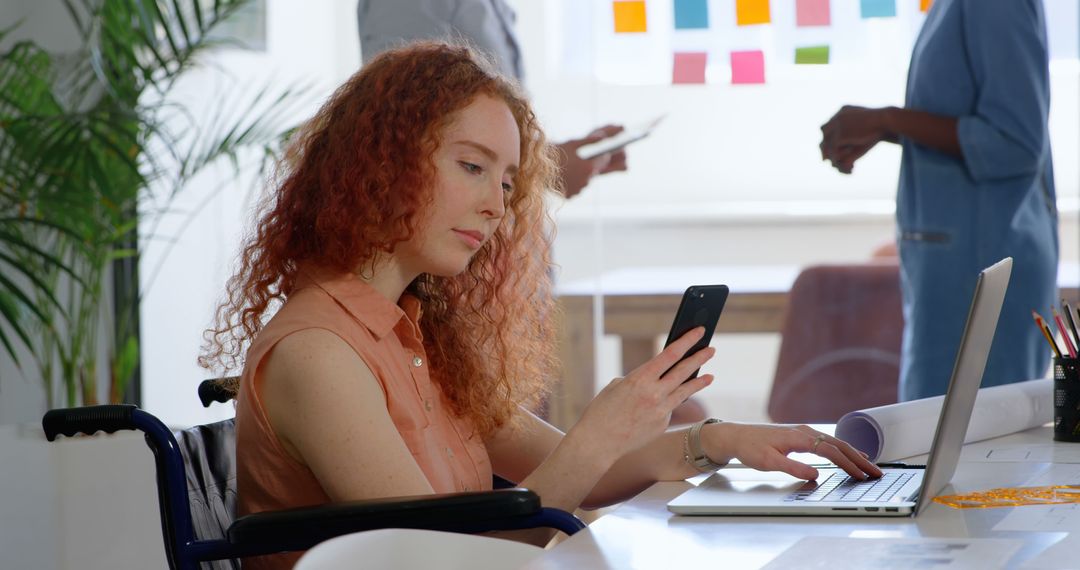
475 163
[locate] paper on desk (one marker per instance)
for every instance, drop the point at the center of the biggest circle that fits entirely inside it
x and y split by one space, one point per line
906 429
838 553
1046 453
1062 555
1041 518
1055 475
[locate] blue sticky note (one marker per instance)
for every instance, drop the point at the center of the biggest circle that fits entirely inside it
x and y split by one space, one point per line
878 8
691 14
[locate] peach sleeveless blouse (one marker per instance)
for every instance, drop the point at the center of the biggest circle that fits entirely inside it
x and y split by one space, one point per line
387 338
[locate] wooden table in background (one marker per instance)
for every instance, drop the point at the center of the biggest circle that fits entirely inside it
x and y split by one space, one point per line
639 303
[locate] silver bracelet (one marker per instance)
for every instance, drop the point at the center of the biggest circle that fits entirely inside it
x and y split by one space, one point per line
692 451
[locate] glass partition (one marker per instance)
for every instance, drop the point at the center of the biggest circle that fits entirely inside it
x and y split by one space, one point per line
730 186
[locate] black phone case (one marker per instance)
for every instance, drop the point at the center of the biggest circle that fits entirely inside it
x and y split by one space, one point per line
701 305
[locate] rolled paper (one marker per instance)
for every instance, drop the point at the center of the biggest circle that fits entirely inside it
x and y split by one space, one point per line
906 429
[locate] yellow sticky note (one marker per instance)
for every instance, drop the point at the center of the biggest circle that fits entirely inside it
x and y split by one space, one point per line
924 5
750 12
629 17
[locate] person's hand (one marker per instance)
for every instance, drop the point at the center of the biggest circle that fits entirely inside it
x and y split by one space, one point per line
765 447
617 159
850 134
577 171
633 410
843 159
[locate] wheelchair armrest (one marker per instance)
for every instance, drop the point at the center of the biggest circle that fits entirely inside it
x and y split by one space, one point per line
88 420
302 528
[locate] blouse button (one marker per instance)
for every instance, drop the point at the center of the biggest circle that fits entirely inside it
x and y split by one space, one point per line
468 488
450 452
417 361
427 405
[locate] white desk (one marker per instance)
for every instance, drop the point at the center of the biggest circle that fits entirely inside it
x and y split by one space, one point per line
641 533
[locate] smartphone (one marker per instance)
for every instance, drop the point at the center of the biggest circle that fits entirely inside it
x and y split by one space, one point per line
701 305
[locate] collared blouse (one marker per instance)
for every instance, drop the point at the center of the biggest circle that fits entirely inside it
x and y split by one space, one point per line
388 339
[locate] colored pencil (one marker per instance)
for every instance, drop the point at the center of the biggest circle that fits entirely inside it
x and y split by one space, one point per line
1039 322
1050 337
1064 333
1072 324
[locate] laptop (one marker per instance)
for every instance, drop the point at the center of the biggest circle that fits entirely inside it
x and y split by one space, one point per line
901 491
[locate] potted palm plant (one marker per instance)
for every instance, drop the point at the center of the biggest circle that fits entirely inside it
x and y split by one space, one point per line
85 141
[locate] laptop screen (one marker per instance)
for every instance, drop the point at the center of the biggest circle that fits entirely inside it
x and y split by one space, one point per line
966 377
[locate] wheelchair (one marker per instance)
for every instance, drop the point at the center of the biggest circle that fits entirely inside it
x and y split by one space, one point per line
196 484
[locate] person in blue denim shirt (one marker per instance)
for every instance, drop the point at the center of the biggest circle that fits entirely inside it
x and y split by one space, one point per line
976 184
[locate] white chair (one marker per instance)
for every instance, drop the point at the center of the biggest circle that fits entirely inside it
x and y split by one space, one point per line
395 548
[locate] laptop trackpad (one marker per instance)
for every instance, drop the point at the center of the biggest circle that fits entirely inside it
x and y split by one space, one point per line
751 479
750 486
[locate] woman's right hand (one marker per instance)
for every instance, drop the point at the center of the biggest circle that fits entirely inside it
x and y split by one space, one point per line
633 410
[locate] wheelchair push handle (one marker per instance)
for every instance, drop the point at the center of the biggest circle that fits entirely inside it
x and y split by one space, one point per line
216 390
88 420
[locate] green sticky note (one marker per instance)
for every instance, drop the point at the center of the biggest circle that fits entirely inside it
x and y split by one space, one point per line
812 55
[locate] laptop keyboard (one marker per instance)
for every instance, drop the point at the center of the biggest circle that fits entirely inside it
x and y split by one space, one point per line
840 487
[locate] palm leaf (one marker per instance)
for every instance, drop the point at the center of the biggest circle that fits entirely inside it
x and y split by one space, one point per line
13 289
14 241
39 284
258 122
14 319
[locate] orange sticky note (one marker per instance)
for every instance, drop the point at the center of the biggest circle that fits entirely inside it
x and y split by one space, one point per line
747 67
750 12
689 67
629 17
924 5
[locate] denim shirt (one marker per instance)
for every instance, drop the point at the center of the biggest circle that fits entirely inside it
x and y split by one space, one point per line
984 62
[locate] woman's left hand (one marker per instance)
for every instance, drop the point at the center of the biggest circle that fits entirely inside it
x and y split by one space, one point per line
765 447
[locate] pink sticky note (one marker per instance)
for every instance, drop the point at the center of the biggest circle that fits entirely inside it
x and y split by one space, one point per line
689 67
811 12
747 67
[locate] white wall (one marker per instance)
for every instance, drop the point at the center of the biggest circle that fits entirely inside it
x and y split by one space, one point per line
724 148
310 43
85 503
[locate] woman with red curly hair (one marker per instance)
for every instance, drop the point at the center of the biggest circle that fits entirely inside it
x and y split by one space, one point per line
404 251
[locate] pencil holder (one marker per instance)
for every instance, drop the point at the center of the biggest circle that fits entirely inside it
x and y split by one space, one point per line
1066 399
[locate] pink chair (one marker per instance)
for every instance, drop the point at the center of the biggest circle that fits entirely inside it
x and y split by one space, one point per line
840 349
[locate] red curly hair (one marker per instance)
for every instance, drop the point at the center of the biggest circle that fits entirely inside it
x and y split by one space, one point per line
355 182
